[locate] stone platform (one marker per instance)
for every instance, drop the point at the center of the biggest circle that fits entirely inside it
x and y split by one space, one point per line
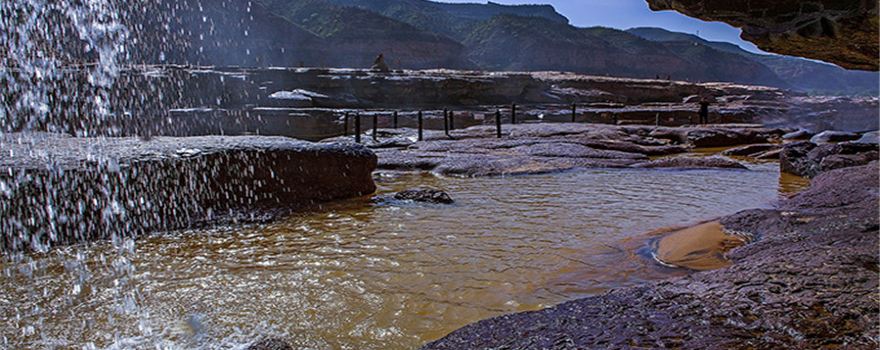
57 189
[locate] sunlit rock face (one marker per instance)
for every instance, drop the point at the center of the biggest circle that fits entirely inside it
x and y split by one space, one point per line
840 32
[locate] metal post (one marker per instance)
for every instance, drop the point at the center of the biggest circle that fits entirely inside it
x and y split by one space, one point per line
394 120
375 127
574 111
451 120
345 127
446 122
657 119
513 114
357 127
498 122
420 126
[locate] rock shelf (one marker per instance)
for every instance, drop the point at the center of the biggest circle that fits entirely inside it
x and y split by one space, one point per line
58 189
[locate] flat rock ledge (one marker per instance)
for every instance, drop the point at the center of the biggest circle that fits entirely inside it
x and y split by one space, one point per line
58 189
693 163
809 281
553 147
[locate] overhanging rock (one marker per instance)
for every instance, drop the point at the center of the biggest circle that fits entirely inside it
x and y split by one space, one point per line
841 32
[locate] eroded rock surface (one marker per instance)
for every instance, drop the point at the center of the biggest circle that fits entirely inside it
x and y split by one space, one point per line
841 32
810 280
58 189
270 344
425 195
809 159
552 147
693 163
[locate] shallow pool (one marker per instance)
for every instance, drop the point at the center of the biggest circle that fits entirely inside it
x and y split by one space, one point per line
360 275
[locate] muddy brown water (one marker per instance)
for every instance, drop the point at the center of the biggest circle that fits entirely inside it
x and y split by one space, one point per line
356 275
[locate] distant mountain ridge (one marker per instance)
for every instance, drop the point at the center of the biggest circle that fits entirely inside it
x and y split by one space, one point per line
517 43
801 74
421 34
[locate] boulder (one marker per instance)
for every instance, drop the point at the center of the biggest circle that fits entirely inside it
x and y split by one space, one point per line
424 195
834 136
270 344
692 163
59 189
793 158
808 159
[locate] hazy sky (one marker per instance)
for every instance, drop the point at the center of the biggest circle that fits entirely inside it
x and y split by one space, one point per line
624 14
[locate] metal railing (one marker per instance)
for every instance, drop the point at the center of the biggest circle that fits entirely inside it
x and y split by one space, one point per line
448 122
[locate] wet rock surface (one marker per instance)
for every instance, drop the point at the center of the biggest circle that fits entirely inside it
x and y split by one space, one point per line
552 147
91 188
808 281
809 159
424 195
270 344
693 163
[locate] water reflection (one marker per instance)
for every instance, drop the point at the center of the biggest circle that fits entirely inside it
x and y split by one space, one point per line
355 275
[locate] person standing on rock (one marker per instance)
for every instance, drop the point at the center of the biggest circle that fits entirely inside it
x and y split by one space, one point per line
379 65
704 111
706 98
